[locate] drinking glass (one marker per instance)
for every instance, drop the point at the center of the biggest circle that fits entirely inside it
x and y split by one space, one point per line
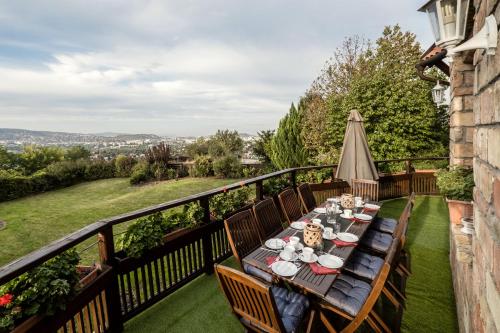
331 214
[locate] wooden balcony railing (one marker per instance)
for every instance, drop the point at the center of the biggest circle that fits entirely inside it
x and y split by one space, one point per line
128 286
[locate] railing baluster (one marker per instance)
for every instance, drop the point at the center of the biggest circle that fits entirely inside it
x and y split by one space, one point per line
259 190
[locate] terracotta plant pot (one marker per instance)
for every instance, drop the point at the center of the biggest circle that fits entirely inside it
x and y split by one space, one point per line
459 209
88 273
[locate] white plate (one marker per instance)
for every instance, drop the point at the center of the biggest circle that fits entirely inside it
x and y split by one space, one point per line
330 261
284 268
347 237
345 217
320 210
364 217
372 206
333 236
299 225
294 257
299 246
313 258
275 243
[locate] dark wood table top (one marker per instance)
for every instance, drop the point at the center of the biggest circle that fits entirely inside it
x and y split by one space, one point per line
305 278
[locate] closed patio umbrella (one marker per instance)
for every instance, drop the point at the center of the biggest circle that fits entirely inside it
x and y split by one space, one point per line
356 161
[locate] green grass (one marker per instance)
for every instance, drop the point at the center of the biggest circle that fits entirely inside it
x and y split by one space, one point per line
201 307
35 221
431 301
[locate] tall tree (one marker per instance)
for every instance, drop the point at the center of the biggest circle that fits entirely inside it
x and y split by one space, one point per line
287 146
225 142
401 119
262 146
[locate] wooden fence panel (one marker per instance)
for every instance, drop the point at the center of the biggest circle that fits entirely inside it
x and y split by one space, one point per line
329 190
424 182
394 186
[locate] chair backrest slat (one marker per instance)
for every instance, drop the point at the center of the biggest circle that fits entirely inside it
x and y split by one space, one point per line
268 217
306 197
250 299
290 205
365 188
243 234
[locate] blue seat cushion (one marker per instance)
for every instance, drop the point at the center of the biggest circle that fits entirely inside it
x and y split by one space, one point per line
377 240
364 265
292 307
258 273
348 294
384 224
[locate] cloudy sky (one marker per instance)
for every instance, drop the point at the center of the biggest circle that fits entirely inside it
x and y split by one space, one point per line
183 67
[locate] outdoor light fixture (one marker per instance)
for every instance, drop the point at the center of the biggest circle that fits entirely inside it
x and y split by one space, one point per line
438 94
449 19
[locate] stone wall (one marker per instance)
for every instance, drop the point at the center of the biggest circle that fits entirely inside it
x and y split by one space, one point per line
477 284
461 114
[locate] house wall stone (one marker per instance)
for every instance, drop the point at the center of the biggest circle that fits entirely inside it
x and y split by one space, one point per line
477 277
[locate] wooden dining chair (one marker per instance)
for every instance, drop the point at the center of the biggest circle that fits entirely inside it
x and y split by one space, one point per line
268 218
354 300
261 307
365 188
306 197
290 205
243 234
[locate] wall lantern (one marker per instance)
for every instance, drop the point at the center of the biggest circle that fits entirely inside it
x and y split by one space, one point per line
449 19
438 94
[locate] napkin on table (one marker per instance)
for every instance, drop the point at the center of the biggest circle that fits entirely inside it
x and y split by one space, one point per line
321 270
341 243
271 260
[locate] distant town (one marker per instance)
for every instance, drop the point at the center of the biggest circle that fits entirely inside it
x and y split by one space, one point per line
106 145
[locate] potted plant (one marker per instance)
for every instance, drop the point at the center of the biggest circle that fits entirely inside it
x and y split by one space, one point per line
456 184
41 291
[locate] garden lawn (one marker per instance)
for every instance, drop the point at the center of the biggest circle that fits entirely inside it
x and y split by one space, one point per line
34 221
201 307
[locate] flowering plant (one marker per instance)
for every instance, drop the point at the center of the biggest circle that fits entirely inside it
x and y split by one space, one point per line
6 300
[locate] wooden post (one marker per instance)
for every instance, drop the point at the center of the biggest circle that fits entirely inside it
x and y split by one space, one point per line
113 304
207 240
293 179
259 191
410 176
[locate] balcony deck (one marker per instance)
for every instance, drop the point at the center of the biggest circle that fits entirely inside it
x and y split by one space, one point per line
201 307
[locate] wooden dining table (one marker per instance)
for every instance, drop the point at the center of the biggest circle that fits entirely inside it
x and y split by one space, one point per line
305 278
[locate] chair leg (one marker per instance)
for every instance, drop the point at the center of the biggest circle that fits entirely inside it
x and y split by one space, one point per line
379 321
397 291
310 321
325 322
371 322
391 298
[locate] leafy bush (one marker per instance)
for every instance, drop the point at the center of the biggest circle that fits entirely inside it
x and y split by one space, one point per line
76 153
275 185
43 290
314 176
148 233
202 167
182 171
124 165
14 185
228 166
456 183
144 234
141 173
249 172
66 173
221 205
99 169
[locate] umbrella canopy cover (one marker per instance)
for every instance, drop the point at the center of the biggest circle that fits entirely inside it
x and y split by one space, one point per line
356 161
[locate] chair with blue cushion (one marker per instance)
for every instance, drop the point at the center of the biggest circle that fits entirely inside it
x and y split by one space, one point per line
389 225
354 299
261 307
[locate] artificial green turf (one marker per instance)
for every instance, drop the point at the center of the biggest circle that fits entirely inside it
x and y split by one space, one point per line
201 307
197 307
33 222
431 302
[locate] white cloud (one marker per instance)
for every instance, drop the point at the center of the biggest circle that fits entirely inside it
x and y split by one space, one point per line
185 67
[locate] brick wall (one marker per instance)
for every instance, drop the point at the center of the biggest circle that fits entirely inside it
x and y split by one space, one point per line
477 284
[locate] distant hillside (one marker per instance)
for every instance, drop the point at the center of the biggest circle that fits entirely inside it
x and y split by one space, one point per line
22 135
